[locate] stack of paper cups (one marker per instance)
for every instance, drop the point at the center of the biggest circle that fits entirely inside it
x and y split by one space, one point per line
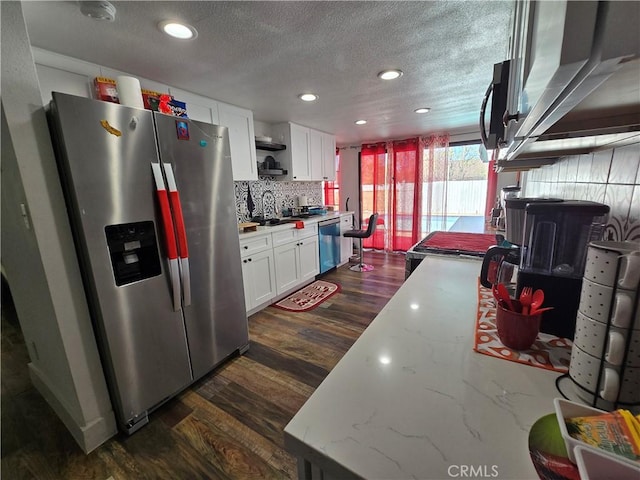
129 91
606 346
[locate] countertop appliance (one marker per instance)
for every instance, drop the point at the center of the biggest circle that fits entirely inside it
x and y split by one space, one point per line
551 256
151 204
329 241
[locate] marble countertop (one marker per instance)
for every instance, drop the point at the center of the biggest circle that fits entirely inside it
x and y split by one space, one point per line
262 230
411 399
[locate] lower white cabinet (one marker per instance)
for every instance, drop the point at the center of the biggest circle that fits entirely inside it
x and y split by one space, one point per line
309 258
259 277
346 243
296 262
287 261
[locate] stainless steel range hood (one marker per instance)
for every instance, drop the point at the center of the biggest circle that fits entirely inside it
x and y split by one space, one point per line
609 117
575 81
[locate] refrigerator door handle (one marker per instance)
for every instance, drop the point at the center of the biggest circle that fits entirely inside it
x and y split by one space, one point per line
183 249
169 235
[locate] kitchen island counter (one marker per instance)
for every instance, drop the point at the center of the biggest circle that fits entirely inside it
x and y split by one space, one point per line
411 399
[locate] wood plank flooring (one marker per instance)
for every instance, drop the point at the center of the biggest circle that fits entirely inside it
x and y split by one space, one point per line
229 424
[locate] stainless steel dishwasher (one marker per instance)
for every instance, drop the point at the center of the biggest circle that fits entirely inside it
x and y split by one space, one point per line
329 240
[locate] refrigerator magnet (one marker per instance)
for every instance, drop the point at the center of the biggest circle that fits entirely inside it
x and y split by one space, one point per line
182 128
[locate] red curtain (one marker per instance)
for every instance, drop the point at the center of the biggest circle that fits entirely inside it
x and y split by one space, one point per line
391 186
406 196
373 191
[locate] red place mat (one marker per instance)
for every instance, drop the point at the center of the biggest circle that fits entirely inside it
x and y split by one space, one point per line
457 242
548 351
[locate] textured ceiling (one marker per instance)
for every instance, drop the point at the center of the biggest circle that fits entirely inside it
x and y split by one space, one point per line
260 55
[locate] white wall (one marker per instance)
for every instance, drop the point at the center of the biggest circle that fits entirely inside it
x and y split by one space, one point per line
349 186
38 257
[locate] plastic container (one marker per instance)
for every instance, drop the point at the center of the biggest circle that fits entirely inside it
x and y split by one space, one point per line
596 464
566 409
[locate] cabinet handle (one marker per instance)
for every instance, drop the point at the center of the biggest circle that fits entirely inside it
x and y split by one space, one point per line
249 259
246 247
244 261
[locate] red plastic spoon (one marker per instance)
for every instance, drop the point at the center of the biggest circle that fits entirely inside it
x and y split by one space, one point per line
504 296
536 302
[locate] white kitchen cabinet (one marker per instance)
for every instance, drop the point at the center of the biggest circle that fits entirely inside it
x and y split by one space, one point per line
287 262
296 256
259 277
199 108
346 243
258 270
316 154
309 258
297 157
322 151
239 121
328 157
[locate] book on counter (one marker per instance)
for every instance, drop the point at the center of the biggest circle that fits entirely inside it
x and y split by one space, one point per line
616 432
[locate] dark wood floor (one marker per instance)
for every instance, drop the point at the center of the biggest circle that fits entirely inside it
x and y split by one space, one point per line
229 424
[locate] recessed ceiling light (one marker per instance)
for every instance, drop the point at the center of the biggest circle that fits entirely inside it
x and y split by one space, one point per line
308 97
178 30
422 110
360 122
390 74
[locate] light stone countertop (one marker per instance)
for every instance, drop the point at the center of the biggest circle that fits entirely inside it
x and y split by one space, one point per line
262 230
412 400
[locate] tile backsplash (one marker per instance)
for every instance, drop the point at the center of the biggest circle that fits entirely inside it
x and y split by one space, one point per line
267 197
610 176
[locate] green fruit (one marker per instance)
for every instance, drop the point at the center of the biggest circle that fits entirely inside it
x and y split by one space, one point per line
545 436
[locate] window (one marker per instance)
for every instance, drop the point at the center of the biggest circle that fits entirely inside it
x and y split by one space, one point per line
331 190
456 187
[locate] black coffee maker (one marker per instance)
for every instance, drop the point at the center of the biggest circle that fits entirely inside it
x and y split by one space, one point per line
550 256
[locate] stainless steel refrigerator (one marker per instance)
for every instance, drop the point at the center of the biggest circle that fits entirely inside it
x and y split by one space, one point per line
151 202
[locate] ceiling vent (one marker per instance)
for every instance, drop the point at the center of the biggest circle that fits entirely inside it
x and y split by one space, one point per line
101 10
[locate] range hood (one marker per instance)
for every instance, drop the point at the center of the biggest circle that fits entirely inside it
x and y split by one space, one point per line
607 118
581 91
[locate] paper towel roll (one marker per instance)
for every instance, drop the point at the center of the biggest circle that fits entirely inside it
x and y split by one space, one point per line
129 91
302 201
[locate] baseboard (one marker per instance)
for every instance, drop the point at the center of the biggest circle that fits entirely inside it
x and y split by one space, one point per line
88 436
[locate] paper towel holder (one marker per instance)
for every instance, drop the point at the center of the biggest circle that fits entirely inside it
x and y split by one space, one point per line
101 10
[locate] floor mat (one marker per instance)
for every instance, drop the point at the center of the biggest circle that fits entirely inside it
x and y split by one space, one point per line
308 297
457 243
548 351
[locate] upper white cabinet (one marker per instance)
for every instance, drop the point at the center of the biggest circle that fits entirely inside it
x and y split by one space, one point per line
316 154
328 157
561 52
297 157
239 121
310 154
323 155
199 108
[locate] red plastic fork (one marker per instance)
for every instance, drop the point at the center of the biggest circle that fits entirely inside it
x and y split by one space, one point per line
526 297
